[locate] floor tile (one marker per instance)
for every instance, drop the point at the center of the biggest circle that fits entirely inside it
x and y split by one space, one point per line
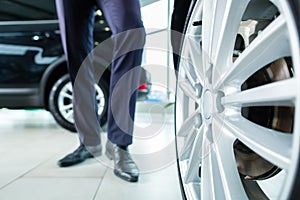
91 168
24 152
51 189
161 185
31 143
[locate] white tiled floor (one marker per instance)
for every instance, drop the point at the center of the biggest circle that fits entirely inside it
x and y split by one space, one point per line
31 143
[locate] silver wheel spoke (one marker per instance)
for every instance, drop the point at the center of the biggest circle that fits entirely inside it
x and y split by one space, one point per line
65 102
187 89
65 94
224 164
194 53
69 115
277 93
101 102
219 177
188 143
263 141
219 31
208 171
188 124
100 99
195 157
223 149
69 86
66 107
263 50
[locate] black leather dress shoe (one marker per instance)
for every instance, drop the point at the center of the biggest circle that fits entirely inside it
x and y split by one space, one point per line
79 155
124 166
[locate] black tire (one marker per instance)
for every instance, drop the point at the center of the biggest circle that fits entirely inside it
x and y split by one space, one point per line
296 192
178 21
64 83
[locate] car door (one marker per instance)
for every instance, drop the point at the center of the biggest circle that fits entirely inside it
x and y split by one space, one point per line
29 43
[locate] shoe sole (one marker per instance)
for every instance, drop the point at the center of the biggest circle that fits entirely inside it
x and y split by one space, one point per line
68 164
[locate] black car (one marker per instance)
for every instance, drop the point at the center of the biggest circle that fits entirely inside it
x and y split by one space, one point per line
33 72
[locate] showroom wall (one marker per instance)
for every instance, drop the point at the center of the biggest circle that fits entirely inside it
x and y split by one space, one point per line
157 54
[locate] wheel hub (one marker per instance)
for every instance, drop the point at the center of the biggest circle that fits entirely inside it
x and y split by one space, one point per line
207 104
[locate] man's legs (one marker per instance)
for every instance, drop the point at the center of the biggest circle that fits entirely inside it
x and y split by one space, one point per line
76 18
121 16
124 19
76 24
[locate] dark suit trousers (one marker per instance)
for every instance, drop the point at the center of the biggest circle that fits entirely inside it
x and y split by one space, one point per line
76 18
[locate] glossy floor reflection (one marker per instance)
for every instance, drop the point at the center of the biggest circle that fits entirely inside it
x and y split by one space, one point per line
31 143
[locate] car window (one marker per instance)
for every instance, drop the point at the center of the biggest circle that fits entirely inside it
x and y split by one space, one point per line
25 10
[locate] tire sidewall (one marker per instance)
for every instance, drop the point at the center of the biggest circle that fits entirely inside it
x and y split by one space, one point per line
295 7
53 103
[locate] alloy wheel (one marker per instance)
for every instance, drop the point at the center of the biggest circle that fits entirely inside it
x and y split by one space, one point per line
65 99
237 101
